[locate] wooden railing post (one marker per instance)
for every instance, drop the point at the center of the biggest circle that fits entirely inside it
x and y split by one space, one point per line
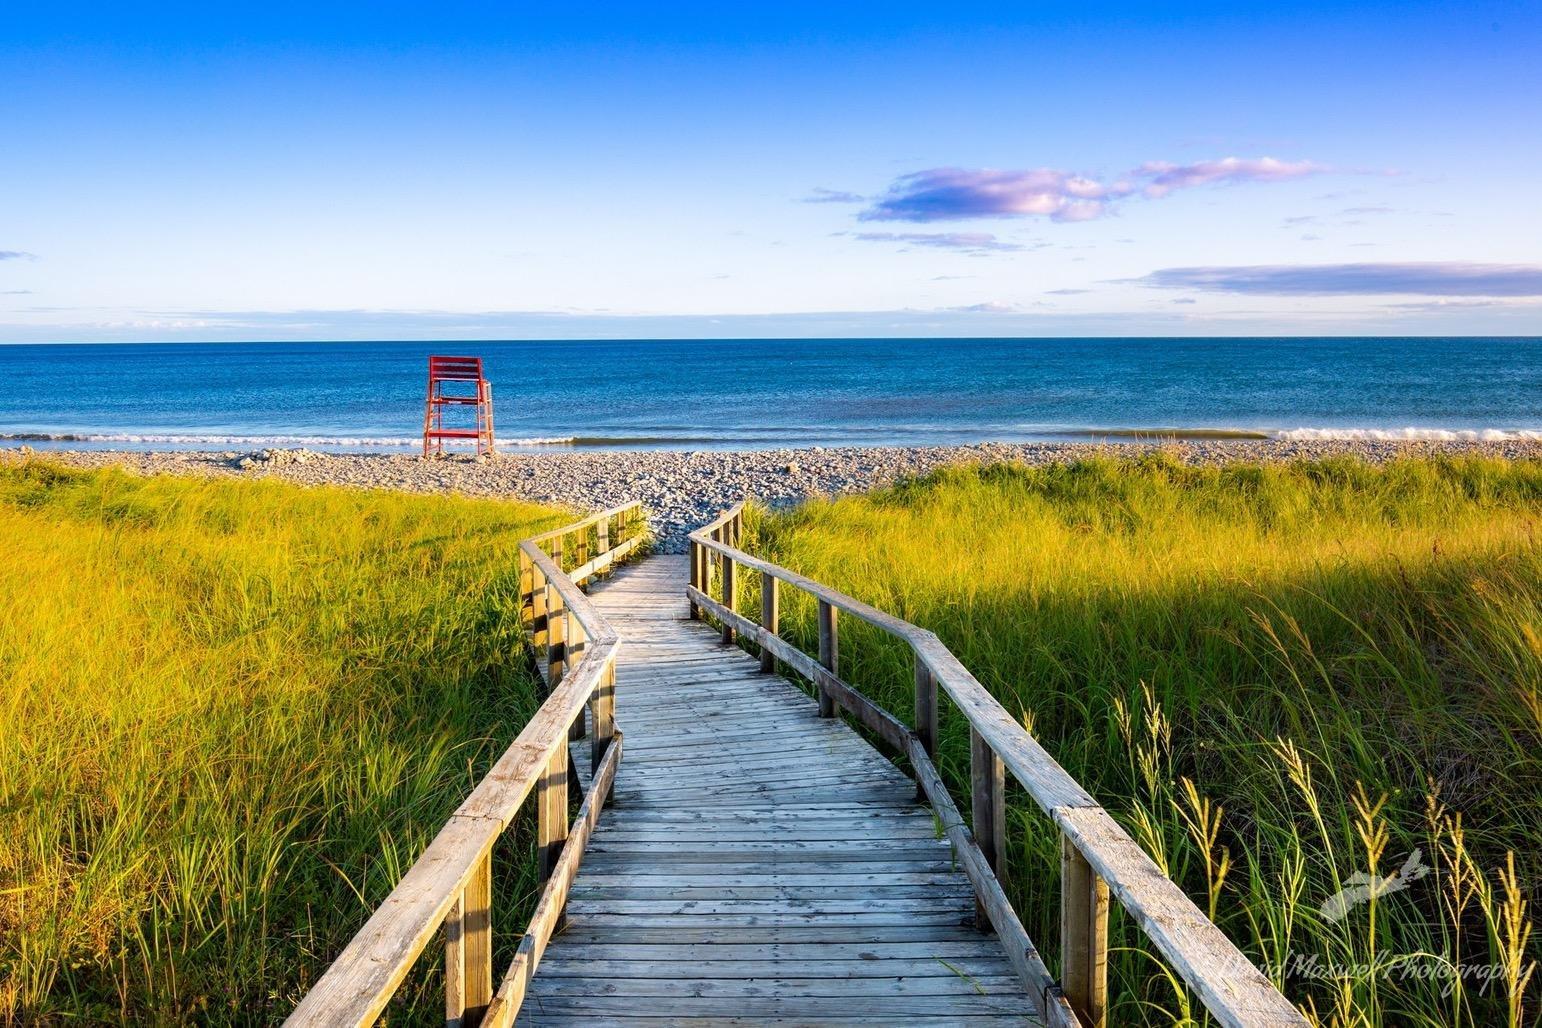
551 815
829 653
926 715
1083 936
538 626
575 641
987 785
604 704
698 580
556 638
770 617
714 561
602 537
730 595
468 950
526 589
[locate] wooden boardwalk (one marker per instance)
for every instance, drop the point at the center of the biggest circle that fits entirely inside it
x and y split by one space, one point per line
759 863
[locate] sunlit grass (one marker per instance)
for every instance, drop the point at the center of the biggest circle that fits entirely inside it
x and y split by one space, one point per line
1276 677
234 714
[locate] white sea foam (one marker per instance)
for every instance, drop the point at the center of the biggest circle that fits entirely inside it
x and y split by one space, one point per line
1412 434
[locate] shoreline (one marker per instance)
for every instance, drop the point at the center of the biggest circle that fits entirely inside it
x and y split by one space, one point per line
683 489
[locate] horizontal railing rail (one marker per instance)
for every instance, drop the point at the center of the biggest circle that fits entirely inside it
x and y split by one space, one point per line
450 885
1099 860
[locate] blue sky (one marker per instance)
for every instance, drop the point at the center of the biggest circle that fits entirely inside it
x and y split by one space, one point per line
430 171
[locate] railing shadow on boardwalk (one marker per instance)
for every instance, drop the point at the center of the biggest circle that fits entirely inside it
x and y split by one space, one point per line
450 884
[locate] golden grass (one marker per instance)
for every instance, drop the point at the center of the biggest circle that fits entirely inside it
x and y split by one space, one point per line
235 712
1277 677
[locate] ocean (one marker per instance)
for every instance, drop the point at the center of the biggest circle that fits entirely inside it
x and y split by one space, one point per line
759 394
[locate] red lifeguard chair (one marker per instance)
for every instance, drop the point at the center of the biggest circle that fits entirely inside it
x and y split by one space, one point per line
452 371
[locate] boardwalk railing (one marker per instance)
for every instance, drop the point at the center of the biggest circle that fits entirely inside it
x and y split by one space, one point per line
451 883
1097 858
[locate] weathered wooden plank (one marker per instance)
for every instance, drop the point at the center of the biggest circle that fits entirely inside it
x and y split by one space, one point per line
671 878
556 965
740 793
683 956
728 779
748 890
801 813
916 922
721 988
758 1020
748 1004
880 832
820 907
828 930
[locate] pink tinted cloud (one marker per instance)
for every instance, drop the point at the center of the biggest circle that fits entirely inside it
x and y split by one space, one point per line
946 194
1163 176
957 194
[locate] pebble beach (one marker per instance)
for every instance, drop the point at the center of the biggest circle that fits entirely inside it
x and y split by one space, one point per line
683 489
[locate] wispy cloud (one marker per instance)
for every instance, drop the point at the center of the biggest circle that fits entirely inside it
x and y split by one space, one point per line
984 308
819 194
15 292
970 242
951 194
17 255
1445 305
1441 278
1067 292
1162 177
1347 217
955 194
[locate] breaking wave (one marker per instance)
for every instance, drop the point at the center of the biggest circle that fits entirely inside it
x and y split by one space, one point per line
1452 435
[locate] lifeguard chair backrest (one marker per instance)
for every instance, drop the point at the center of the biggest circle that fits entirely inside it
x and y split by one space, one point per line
455 369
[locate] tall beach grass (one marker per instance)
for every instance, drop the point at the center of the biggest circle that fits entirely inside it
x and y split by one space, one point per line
1289 682
234 714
